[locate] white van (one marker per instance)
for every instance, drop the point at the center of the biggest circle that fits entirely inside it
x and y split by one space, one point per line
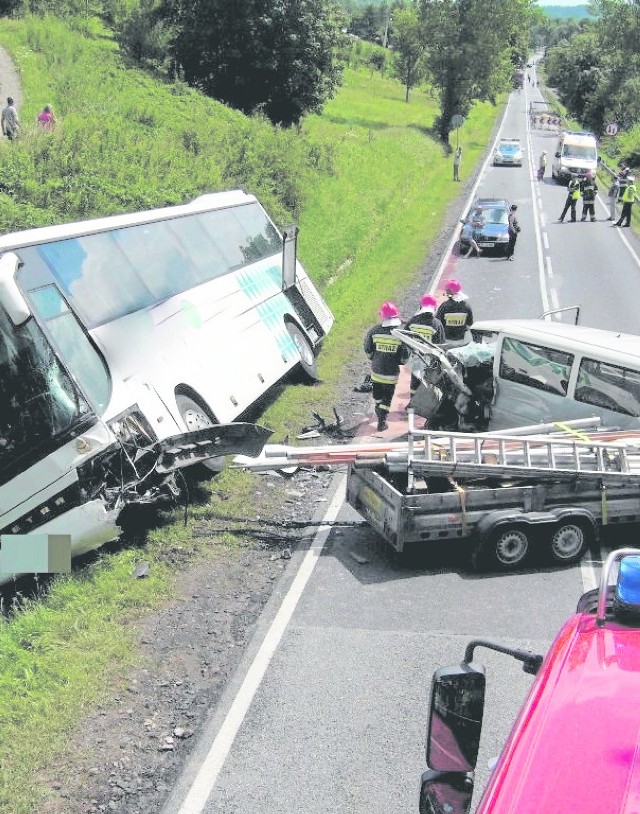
576 154
549 371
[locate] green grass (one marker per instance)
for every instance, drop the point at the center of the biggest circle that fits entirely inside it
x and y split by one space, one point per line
370 188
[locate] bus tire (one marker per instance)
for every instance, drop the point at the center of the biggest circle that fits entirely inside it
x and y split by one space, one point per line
505 549
569 540
305 348
197 417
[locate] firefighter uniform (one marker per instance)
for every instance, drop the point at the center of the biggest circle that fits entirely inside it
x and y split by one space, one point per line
429 327
589 191
387 354
573 193
456 316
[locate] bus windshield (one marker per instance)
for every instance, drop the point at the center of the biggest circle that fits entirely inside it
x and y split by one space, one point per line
39 400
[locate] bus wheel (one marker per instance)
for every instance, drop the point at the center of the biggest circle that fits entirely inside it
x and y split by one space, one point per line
507 548
195 418
569 542
305 349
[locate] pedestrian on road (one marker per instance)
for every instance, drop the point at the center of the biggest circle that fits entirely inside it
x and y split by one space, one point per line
457 160
589 190
628 198
477 222
542 165
455 313
427 325
386 353
613 194
9 120
573 193
46 119
514 230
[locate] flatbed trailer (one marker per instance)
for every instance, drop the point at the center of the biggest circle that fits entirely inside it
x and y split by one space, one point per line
508 497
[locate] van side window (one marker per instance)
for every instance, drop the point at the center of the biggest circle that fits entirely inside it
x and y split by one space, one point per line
608 386
535 366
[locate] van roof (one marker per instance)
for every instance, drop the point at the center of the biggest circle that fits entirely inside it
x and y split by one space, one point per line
574 746
574 137
608 346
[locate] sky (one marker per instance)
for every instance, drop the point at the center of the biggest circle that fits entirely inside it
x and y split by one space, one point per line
563 2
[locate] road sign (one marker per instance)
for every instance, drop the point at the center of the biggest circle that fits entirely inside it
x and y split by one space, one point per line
611 129
457 120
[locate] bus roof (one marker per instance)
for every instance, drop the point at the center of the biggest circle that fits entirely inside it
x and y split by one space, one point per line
576 744
605 345
45 234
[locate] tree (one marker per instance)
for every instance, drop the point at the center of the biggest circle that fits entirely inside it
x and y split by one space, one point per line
279 57
408 46
470 45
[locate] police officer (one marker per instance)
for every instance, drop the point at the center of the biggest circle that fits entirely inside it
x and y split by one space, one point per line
455 313
514 230
386 353
573 193
589 189
628 198
427 325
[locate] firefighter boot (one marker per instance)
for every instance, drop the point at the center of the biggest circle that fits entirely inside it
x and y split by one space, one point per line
382 418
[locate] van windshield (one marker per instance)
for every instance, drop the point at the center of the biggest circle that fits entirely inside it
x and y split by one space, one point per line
580 151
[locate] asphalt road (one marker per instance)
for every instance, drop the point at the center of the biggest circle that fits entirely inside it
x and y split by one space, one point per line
328 710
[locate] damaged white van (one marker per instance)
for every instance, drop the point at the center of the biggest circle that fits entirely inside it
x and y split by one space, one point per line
523 372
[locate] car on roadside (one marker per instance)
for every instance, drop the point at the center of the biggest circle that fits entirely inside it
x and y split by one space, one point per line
487 223
508 153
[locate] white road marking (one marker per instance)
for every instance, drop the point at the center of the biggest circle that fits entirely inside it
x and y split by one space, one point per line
545 241
549 268
589 574
212 764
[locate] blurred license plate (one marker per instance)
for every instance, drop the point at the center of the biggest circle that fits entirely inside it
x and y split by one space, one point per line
484 244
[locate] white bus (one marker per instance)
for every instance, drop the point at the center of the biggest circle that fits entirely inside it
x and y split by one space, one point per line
127 346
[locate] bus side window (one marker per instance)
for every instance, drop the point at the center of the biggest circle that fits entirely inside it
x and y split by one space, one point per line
535 366
609 387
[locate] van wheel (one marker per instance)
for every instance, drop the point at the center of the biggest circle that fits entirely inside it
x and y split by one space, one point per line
195 418
568 542
305 349
504 550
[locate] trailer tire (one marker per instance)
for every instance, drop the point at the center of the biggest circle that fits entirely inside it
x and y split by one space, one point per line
307 363
505 549
569 540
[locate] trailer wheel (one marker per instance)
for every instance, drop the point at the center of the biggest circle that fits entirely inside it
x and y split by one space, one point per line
569 541
305 349
507 548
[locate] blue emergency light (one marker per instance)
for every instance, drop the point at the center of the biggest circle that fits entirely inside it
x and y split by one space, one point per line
627 590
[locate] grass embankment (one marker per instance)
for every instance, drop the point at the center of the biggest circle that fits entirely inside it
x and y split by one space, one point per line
369 188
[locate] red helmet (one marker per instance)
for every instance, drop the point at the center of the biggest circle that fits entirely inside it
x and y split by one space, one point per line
389 310
452 287
428 301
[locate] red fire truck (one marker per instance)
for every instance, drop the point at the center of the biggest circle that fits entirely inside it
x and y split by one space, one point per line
575 746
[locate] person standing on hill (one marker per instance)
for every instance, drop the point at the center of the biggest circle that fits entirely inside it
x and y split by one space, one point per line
386 353
457 160
9 120
46 119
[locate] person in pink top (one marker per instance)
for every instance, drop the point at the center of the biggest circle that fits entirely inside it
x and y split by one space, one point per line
46 119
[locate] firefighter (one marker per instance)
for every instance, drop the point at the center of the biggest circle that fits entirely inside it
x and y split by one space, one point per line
573 193
386 353
427 325
589 189
455 313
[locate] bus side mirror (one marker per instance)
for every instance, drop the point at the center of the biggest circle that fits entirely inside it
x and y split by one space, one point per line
455 717
445 791
289 256
10 295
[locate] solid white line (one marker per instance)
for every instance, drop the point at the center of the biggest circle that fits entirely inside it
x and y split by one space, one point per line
207 775
537 224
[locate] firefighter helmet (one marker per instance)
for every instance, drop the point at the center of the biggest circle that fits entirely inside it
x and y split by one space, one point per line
389 310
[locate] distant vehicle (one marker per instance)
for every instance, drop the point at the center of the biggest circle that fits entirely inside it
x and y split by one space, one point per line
576 154
508 153
487 222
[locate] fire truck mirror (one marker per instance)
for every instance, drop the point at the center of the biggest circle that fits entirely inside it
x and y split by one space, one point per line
455 717
445 791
